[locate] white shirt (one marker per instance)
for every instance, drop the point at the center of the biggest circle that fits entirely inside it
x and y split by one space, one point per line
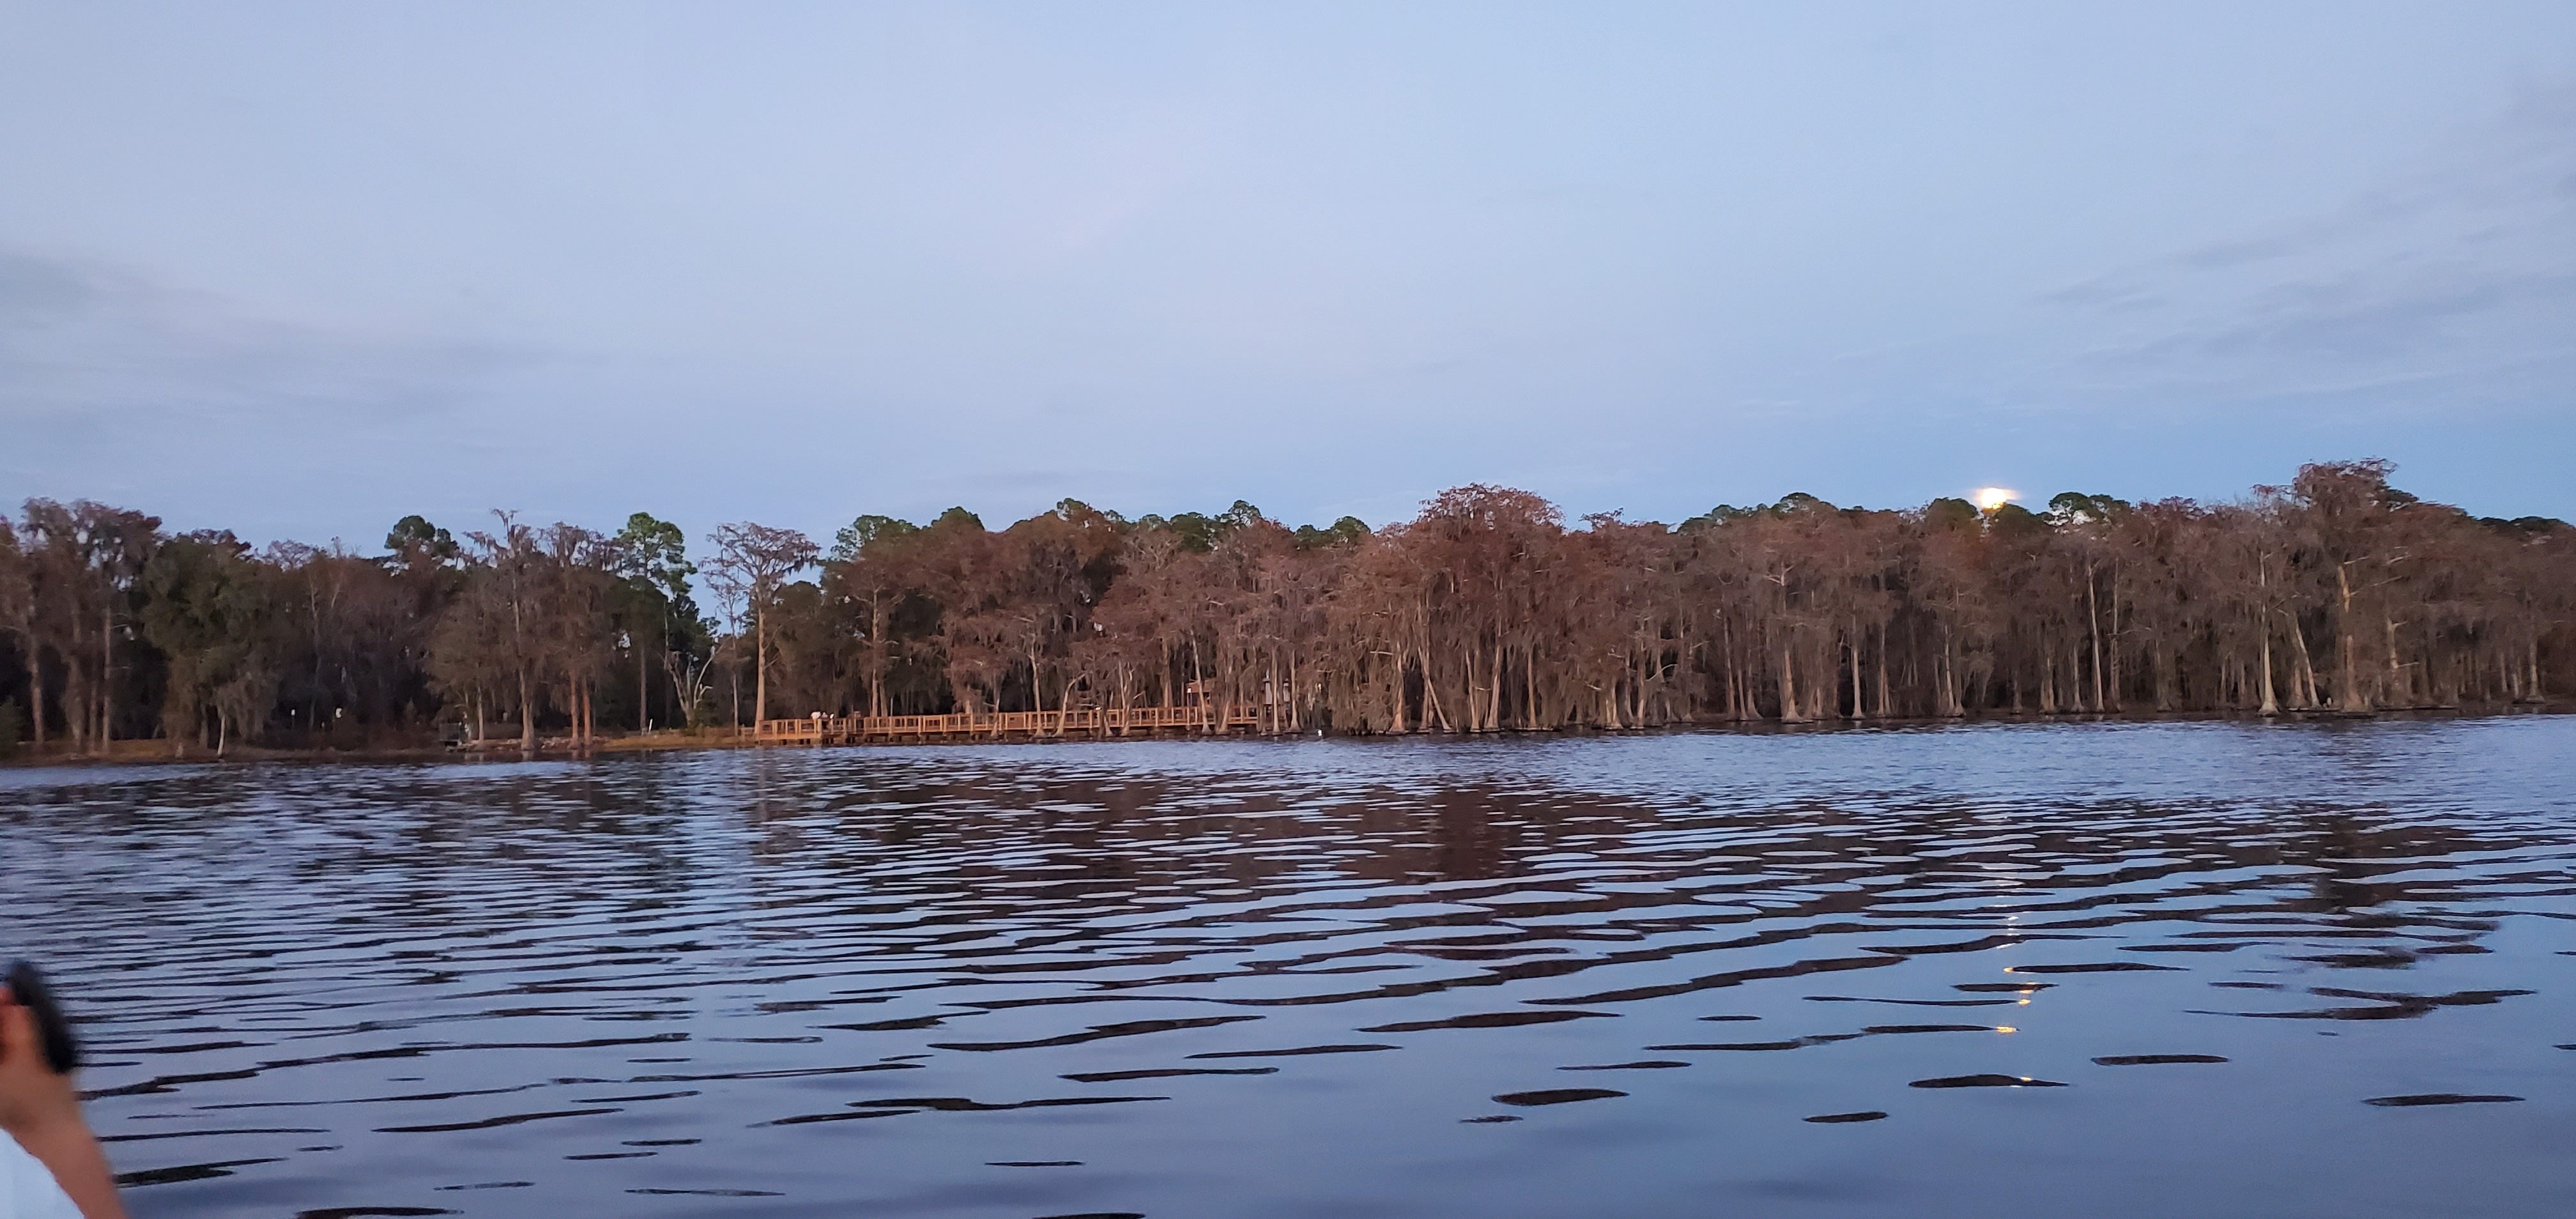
27 1188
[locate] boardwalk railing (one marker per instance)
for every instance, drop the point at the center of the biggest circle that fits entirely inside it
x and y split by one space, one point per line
1007 725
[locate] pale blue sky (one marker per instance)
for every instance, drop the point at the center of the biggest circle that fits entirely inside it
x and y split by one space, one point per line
300 269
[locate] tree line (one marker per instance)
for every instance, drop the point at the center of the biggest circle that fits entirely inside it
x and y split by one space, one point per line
1487 612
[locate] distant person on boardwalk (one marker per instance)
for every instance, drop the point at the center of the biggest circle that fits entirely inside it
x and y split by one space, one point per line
50 1165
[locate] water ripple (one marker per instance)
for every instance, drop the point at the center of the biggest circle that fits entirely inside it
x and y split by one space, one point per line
662 982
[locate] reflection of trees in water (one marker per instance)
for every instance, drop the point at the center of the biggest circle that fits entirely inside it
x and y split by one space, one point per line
1580 880
1118 882
1036 921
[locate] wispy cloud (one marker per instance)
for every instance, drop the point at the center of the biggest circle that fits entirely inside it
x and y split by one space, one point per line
96 346
2458 271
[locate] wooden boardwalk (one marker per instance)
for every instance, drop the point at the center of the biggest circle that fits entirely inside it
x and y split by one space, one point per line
1096 723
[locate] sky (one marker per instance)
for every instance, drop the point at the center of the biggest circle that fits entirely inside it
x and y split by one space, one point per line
300 269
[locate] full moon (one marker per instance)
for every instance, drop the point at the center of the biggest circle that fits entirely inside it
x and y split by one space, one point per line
1991 498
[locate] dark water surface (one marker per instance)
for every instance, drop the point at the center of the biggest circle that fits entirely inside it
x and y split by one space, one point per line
2176 969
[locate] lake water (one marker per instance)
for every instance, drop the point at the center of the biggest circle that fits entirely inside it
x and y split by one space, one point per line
2114 969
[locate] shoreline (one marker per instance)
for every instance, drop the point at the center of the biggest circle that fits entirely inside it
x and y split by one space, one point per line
158 752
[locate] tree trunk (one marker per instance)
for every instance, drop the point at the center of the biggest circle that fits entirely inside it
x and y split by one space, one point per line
1860 708
77 717
2093 605
2349 696
876 638
1529 687
1396 722
1882 668
2271 705
1433 710
1494 690
760 666
1950 676
106 675
2303 681
2401 692
35 696
1470 703
2119 701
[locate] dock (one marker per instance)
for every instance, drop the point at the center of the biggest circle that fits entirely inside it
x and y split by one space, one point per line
1096 723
